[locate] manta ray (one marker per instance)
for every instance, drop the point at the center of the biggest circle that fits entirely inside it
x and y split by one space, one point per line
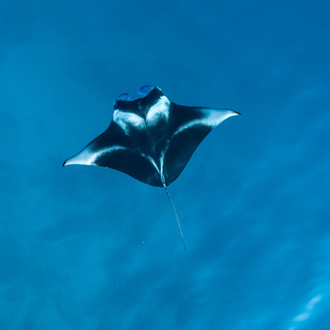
151 138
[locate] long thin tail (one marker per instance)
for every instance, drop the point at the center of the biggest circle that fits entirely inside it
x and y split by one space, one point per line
177 219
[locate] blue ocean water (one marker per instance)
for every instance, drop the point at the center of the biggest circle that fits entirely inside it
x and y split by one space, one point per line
91 248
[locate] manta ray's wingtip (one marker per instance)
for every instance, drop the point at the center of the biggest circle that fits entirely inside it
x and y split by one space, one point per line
69 162
235 113
230 112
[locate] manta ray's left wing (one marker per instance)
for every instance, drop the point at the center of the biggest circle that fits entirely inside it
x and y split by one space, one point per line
114 149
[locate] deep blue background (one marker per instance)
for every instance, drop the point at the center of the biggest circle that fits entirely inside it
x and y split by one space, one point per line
91 248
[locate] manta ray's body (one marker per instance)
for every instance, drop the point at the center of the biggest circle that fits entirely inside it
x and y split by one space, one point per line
151 138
